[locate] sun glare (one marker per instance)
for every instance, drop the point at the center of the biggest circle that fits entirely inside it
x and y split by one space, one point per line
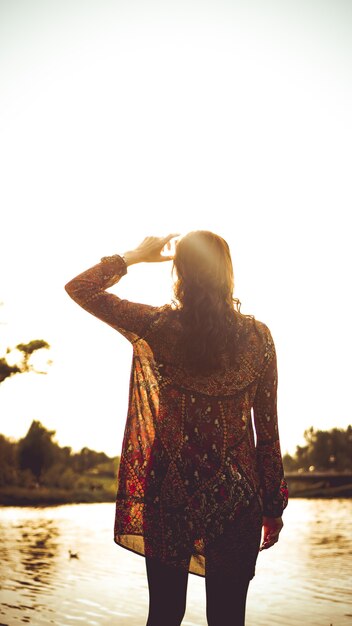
121 122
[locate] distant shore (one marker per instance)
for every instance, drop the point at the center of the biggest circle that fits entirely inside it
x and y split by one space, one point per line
317 485
43 496
328 484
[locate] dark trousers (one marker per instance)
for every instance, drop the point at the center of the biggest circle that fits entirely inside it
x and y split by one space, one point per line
225 598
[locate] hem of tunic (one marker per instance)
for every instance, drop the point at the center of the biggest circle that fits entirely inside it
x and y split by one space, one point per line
120 543
140 553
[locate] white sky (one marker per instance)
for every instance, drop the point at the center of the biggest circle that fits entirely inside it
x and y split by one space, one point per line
124 119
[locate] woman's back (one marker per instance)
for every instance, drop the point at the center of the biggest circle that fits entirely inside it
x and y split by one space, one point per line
189 449
194 480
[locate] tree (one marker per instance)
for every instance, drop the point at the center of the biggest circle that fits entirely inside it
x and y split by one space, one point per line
290 463
7 370
27 349
8 461
37 451
87 458
324 450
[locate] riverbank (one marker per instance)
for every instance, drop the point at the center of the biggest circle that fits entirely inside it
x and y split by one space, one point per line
319 484
44 496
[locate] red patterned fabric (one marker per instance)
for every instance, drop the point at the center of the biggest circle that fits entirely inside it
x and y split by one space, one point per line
193 483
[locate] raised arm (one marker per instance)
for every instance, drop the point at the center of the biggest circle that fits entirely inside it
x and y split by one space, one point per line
88 289
273 484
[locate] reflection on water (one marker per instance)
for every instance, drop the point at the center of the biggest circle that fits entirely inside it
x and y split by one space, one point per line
309 570
28 564
305 579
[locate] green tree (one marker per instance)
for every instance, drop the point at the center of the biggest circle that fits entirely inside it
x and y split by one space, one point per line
289 462
37 451
87 459
24 365
8 461
324 450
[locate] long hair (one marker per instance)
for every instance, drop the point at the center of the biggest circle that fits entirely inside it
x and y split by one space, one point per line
204 298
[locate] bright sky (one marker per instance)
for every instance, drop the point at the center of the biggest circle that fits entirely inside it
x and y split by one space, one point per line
121 119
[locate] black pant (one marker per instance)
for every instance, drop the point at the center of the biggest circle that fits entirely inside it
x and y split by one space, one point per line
226 598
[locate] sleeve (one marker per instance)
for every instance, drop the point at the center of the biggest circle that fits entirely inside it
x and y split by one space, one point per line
273 485
89 291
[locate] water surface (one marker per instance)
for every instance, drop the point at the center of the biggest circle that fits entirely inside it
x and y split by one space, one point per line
303 580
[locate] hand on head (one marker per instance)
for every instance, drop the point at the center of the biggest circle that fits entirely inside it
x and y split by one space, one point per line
150 250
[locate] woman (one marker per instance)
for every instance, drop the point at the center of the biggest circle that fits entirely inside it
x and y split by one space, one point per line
194 490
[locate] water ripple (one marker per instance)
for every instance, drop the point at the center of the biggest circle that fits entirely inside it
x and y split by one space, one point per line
303 579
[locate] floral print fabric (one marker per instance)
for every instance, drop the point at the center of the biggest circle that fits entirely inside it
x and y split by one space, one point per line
193 483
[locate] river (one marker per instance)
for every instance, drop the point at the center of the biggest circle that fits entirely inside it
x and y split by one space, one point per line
305 579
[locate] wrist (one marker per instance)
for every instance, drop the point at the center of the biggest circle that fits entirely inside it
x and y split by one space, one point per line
131 257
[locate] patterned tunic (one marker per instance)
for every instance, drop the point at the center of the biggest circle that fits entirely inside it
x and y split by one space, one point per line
193 482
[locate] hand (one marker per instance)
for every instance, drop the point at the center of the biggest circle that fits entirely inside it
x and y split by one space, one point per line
271 530
149 251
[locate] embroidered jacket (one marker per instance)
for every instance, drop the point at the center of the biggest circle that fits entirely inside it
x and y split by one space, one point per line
190 465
